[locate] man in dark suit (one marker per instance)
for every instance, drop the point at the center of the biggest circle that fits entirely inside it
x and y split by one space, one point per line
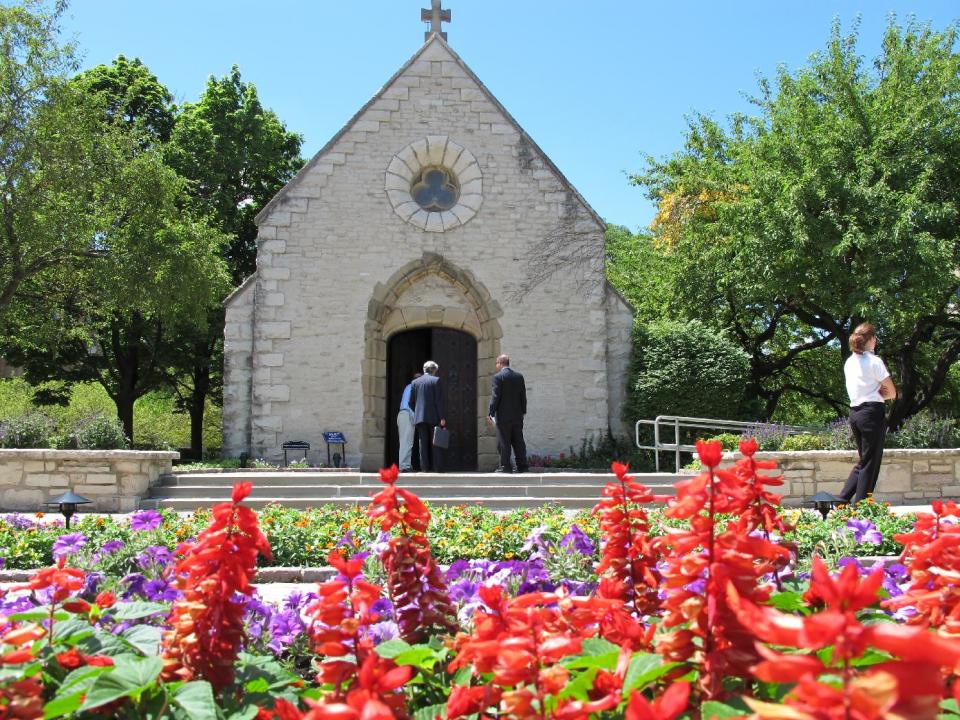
426 401
508 405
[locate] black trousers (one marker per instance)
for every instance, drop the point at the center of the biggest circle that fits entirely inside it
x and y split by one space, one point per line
431 458
510 436
869 425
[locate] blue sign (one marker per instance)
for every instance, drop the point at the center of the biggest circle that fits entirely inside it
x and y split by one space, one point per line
335 438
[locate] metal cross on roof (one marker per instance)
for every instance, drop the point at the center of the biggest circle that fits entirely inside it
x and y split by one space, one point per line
435 16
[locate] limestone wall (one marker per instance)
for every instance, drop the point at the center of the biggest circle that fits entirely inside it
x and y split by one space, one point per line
523 276
906 476
114 480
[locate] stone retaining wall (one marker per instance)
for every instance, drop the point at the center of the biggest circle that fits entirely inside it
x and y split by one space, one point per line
906 476
114 480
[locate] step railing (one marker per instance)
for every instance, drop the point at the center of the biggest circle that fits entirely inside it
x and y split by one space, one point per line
679 422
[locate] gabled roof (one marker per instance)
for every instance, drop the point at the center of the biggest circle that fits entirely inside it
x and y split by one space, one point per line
435 38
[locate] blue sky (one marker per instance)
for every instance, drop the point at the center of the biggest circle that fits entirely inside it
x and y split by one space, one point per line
598 84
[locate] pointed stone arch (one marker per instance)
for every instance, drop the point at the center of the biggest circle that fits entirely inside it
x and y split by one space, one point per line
389 313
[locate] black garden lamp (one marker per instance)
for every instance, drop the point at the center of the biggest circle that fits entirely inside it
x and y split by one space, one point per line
824 502
67 504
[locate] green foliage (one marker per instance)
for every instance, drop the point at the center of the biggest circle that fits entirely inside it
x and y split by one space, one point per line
927 430
835 203
159 425
643 274
805 442
729 441
684 368
98 432
832 540
32 430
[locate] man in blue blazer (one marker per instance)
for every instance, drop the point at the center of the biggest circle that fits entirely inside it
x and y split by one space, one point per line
426 401
508 405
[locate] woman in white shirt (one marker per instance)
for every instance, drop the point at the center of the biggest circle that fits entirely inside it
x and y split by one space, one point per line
868 385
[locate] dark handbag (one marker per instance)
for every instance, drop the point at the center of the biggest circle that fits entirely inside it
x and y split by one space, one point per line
441 437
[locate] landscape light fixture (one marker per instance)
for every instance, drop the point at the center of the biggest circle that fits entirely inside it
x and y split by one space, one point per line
824 502
67 504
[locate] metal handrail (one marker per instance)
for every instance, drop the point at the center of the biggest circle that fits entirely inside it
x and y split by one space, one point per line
679 421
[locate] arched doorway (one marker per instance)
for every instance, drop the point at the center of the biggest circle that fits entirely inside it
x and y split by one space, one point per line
455 352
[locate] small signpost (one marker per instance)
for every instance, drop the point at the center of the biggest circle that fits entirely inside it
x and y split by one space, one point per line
335 437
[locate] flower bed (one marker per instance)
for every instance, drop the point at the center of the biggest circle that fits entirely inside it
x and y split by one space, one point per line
700 615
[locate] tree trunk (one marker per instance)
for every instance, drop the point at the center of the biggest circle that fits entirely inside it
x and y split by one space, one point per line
198 403
125 399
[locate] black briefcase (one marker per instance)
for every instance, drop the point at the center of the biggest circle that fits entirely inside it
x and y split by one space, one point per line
441 437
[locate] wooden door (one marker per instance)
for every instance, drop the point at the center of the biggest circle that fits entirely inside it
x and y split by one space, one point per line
406 354
456 354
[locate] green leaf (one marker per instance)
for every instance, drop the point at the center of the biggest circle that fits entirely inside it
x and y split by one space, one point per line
788 601
422 657
598 646
579 687
39 615
462 676
430 712
70 694
952 710
644 668
139 609
258 685
391 648
196 699
714 709
605 662
128 677
247 713
145 638
72 631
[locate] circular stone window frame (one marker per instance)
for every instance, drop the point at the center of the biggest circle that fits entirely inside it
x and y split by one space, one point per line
434 151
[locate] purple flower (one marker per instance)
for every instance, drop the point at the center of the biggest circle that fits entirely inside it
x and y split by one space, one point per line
145 520
285 627
66 545
576 541
135 583
110 547
155 555
92 583
864 531
18 521
160 590
381 544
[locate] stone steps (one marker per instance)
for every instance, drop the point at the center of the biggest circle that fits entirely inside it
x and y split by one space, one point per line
189 491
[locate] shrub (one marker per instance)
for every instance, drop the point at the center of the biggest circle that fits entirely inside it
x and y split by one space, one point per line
729 441
684 368
98 432
31 430
927 430
770 436
839 436
819 441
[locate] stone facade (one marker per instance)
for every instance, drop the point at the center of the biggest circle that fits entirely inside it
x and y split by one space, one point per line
908 477
114 480
346 259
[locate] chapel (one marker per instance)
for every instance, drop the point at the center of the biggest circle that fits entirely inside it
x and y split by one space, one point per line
431 226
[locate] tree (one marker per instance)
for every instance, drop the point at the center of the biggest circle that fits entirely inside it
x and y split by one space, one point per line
837 203
644 275
50 157
156 267
236 155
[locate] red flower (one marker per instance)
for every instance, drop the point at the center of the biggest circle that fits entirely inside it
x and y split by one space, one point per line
63 581
207 623
666 707
710 452
106 600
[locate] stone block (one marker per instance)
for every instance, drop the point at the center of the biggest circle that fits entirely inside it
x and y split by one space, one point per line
913 495
895 477
277 330
34 466
101 479
127 466
833 487
23 499
833 470
273 299
941 467
273 273
134 484
270 359
10 474
468 94
921 466
932 480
